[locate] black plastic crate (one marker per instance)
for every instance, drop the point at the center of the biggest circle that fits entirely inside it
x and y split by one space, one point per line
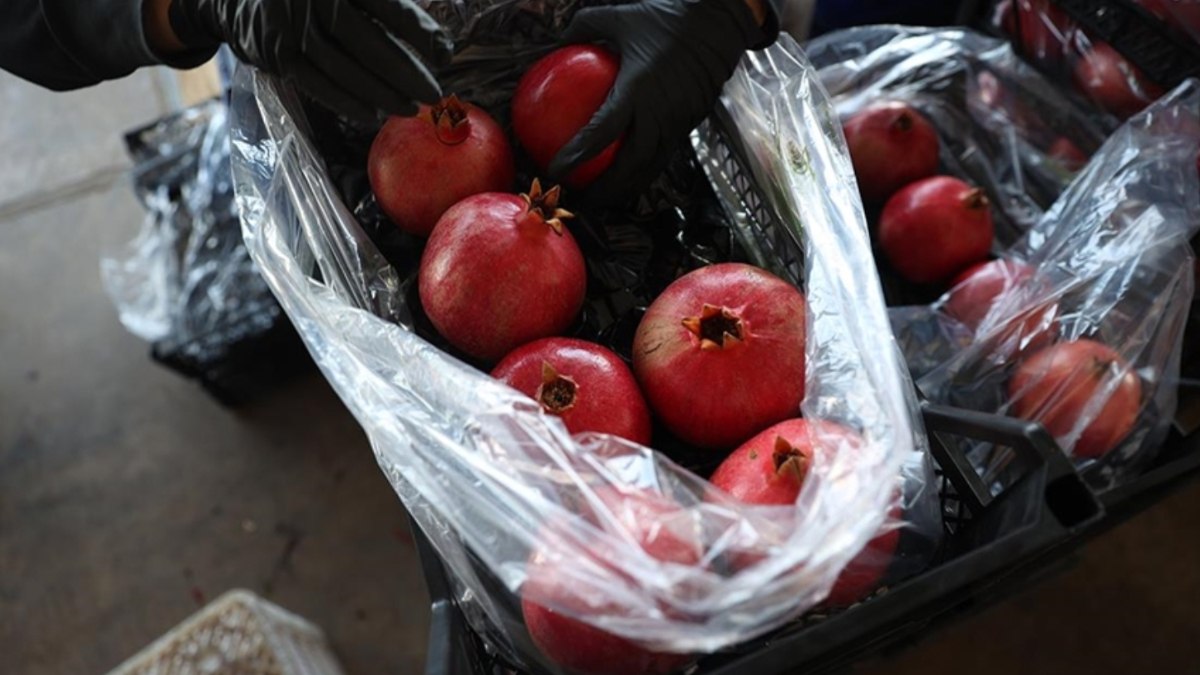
993 544
229 335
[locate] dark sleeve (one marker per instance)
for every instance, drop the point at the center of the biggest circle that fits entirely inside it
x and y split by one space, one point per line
68 44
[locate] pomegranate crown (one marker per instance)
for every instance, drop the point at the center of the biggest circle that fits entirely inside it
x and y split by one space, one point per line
789 461
557 392
450 121
904 121
716 327
976 199
542 207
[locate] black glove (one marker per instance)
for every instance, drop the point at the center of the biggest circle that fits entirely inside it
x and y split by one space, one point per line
355 56
675 57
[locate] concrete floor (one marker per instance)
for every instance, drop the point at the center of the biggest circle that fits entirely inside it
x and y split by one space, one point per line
128 498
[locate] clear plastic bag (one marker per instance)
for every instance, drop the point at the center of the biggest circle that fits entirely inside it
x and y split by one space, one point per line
1002 125
1046 35
186 283
1081 326
489 476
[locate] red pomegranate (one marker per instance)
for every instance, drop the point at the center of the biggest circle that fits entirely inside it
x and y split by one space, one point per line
586 385
663 530
981 287
770 469
891 145
1067 154
720 354
1046 31
1113 82
935 228
556 98
500 270
977 289
1058 386
420 166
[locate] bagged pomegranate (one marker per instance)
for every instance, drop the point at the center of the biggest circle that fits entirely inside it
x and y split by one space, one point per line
1078 55
921 102
661 563
1080 326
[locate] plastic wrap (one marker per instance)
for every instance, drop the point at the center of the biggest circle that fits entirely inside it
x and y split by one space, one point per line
1110 263
490 477
1046 34
1002 125
186 282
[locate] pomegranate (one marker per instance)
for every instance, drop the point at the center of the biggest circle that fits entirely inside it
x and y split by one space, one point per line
1045 31
1114 83
934 228
978 290
556 98
1059 385
420 166
770 469
1067 154
663 530
586 385
891 145
500 270
720 354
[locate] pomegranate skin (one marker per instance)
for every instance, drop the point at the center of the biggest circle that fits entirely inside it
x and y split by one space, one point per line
1113 82
891 145
1056 385
417 175
717 395
556 98
770 469
1067 154
492 278
982 286
979 286
1046 32
603 393
662 529
935 228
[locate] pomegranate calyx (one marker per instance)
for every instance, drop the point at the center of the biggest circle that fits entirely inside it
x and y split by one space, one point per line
557 392
716 327
904 122
976 199
1102 367
450 121
789 461
542 207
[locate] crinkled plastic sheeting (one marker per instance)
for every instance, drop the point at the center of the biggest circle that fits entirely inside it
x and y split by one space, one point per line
1002 125
1111 263
186 280
486 473
1046 34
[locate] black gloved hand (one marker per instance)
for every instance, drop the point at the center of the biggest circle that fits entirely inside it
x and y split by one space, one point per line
675 57
355 56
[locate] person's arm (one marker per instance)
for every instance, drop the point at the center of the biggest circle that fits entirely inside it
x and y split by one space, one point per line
359 57
68 44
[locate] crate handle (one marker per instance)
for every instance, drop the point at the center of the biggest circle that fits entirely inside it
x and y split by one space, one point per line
1029 440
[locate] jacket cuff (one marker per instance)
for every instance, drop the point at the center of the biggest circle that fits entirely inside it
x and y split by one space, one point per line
770 27
107 37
